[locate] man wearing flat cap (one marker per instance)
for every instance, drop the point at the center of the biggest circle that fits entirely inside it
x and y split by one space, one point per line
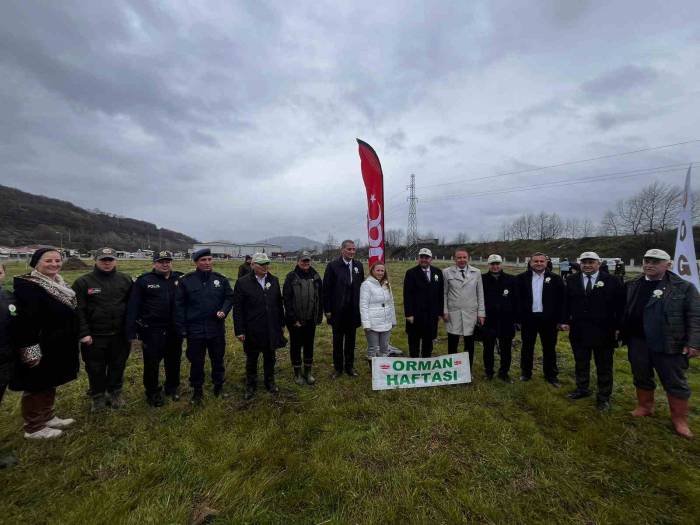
244 268
202 302
303 310
501 302
102 297
661 327
423 304
594 304
151 316
341 303
258 322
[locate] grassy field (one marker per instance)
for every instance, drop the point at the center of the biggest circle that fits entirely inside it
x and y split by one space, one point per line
339 453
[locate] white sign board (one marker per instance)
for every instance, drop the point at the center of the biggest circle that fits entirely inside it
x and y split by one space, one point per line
390 373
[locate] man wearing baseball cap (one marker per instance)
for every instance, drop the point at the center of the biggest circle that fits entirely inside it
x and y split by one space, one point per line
501 302
594 304
102 297
423 304
661 327
258 321
151 316
202 301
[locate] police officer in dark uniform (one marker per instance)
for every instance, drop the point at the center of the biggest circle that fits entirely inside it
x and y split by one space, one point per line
102 297
203 300
151 315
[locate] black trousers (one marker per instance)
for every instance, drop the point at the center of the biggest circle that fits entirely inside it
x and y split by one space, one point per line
670 368
251 366
420 344
301 338
344 346
161 344
603 357
105 361
505 345
196 354
547 330
453 346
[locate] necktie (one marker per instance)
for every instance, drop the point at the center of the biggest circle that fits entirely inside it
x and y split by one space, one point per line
427 275
462 273
589 285
350 270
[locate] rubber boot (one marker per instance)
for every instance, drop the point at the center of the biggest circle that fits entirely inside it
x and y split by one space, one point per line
116 400
645 403
679 415
298 379
99 403
8 460
310 380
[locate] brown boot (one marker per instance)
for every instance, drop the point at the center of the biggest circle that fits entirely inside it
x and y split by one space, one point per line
645 403
679 416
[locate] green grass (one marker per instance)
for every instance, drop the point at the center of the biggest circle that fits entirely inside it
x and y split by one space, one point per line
341 453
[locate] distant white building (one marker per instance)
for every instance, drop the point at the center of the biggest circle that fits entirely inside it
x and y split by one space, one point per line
232 249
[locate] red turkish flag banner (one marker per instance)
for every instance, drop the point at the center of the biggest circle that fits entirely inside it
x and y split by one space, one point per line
374 184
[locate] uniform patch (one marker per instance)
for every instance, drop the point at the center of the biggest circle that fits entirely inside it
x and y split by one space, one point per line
153 286
93 291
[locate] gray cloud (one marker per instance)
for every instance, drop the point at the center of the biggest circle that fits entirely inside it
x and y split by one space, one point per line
203 118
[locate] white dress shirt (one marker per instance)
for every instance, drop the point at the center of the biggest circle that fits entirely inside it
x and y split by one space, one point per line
261 280
537 288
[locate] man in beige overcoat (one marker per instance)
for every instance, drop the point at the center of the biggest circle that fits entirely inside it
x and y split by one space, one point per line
464 303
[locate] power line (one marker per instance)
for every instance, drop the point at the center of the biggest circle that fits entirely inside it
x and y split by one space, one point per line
569 163
569 182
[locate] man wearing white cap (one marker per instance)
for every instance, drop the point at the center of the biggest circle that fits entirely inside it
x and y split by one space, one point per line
501 302
464 303
258 322
594 303
423 298
661 327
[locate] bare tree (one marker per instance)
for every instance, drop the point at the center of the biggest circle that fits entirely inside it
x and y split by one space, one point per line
586 228
394 238
461 238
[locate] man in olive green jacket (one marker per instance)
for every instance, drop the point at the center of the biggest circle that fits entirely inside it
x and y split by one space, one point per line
103 296
661 327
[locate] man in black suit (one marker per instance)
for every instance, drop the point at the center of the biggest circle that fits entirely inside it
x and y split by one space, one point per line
423 301
341 303
501 300
594 304
258 321
541 294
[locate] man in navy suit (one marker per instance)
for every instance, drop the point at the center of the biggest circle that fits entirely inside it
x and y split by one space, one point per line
594 304
341 303
541 294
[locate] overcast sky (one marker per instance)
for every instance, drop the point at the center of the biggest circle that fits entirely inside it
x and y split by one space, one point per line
237 120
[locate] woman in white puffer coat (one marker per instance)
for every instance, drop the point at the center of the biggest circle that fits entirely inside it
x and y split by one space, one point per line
377 310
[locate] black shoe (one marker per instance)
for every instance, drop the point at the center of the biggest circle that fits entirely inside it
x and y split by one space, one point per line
578 394
155 400
336 374
219 391
271 386
352 372
197 396
603 406
8 460
525 378
173 394
505 378
554 382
